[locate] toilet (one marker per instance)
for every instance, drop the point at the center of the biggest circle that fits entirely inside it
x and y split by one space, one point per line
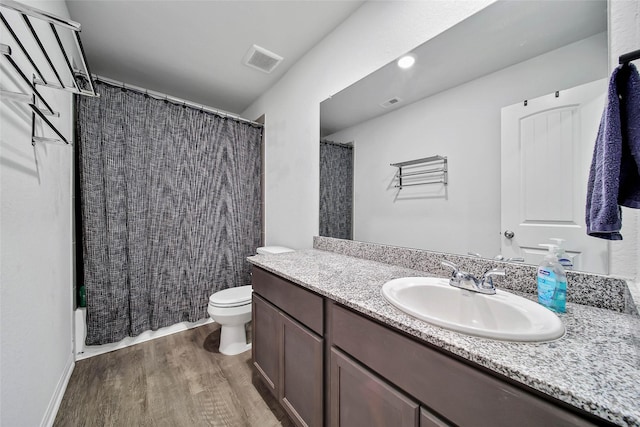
231 309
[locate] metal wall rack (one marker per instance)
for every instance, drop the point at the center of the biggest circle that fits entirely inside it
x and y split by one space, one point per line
76 78
413 172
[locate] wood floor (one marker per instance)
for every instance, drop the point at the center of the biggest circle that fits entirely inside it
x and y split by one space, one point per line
178 380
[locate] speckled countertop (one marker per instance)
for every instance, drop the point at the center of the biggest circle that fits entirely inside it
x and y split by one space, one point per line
595 366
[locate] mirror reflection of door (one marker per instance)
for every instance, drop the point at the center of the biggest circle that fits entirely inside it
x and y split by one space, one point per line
336 190
546 152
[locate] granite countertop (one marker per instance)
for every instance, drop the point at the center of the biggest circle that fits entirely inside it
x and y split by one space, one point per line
595 366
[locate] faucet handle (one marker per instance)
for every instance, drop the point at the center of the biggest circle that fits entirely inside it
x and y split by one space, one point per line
487 281
452 266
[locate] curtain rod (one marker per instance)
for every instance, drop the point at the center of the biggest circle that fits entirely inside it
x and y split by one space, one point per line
340 144
164 96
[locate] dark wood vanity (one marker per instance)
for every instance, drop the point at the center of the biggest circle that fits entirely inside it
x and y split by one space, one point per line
331 366
288 346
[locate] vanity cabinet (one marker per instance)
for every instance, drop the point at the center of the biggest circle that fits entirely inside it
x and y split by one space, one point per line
288 346
361 398
375 375
458 393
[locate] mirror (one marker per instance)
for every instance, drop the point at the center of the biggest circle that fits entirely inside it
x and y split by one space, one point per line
450 104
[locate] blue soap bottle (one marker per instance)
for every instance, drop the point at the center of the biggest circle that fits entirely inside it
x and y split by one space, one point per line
552 281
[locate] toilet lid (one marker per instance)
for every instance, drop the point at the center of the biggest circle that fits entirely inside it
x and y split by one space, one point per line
231 297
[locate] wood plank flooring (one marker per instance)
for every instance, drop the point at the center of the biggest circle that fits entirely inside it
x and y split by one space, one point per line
178 380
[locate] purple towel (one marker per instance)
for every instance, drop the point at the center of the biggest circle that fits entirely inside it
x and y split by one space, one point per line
614 178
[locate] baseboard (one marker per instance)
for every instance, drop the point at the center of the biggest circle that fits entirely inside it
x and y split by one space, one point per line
86 351
56 399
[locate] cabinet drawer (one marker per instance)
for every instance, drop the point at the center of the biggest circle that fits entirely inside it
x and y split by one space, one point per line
456 391
304 306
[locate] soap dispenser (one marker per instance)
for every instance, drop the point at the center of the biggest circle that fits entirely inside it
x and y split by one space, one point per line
563 258
552 281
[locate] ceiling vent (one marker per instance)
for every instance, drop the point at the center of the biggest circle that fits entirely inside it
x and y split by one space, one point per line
262 59
393 101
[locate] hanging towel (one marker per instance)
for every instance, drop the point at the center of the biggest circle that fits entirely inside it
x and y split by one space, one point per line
614 178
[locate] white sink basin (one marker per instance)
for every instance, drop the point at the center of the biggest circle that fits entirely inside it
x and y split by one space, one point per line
502 316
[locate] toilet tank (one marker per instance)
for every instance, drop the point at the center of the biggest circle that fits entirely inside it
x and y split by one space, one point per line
268 250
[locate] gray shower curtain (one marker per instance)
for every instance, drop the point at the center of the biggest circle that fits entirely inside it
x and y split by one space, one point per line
336 190
170 209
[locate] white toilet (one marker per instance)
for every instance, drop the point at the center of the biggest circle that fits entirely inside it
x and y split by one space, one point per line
231 309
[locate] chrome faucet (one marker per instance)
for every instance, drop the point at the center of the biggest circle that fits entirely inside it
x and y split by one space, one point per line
511 259
499 257
464 280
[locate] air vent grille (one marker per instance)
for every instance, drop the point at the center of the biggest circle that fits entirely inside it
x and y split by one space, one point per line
262 59
390 102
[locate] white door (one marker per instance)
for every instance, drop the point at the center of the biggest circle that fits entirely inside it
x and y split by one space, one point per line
547 147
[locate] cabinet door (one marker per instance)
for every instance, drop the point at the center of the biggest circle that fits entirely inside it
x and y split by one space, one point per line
359 398
428 419
460 393
266 342
301 381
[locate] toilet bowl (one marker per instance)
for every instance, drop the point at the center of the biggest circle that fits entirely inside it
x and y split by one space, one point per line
231 309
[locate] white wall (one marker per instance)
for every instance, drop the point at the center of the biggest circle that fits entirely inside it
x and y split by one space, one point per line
624 36
373 35
36 354
462 123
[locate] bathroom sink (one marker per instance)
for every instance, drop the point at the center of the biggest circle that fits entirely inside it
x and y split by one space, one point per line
503 316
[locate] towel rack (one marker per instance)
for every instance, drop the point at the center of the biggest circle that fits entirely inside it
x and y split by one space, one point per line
436 172
628 57
55 23
35 100
6 52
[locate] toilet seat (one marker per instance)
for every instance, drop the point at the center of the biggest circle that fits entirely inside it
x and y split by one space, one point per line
232 297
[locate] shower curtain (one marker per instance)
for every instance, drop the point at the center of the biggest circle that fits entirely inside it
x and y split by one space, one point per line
170 209
336 190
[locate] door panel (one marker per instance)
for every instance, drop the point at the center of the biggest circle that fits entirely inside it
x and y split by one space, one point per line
546 152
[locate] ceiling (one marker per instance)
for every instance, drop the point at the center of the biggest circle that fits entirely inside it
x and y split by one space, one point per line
194 49
500 35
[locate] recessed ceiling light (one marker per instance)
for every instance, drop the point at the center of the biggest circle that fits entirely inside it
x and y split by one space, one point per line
406 61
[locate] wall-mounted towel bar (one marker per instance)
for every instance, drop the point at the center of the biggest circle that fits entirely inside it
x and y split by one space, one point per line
55 23
412 172
40 114
628 57
24 98
64 72
6 52
40 14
